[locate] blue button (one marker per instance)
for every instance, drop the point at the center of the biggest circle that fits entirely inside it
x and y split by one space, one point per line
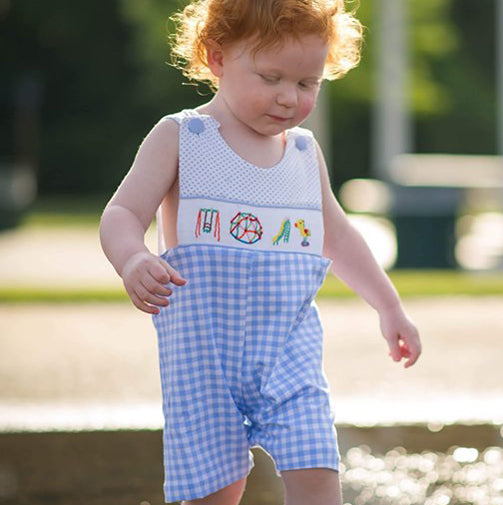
301 143
196 126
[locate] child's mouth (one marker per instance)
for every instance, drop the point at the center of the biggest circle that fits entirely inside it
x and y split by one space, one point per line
278 118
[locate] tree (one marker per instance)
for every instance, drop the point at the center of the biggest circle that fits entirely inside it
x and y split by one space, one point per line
106 79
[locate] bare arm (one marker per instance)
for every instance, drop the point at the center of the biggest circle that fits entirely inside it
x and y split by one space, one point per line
130 211
354 263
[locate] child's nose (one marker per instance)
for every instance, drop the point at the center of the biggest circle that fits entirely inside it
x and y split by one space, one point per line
287 96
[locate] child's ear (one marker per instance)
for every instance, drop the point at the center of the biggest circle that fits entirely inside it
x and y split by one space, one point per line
215 57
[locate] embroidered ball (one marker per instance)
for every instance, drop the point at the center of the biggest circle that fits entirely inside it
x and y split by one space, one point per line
246 228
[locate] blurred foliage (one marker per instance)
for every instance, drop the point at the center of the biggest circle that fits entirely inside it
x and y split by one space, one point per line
468 124
452 84
103 68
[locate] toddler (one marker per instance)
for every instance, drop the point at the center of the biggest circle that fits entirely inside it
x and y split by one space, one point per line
249 227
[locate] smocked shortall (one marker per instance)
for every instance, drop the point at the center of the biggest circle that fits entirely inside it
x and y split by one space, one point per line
240 345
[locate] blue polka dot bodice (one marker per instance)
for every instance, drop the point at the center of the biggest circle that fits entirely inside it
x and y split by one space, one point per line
227 201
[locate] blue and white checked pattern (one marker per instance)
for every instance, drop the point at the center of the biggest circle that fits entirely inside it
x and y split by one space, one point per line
240 345
240 349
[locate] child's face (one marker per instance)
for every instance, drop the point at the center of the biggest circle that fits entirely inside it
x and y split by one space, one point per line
276 88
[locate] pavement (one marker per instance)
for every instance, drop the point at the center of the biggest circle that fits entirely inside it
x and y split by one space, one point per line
90 366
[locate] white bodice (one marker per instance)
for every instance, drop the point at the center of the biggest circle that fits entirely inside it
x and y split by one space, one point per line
227 201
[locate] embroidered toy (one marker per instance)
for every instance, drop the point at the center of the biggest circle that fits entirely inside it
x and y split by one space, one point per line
246 228
284 232
303 231
208 223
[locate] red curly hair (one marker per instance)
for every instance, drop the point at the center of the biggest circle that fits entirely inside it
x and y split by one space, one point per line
268 22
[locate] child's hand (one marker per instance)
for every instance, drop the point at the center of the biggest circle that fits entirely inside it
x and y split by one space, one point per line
401 335
144 275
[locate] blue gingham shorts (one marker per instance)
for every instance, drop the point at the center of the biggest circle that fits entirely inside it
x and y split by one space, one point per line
240 352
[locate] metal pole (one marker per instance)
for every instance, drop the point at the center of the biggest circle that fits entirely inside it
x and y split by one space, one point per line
499 90
499 75
392 126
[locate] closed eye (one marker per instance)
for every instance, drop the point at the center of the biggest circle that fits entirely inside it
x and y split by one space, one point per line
269 78
309 84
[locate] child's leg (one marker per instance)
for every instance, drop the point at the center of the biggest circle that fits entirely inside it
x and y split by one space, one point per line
230 495
312 486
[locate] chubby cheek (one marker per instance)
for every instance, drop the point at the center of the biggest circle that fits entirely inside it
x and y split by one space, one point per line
257 98
249 103
253 103
306 105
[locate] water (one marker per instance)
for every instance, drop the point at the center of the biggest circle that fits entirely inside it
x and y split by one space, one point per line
401 465
460 476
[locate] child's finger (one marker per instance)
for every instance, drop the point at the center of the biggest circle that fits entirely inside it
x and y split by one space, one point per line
414 350
394 349
146 296
173 275
144 307
413 357
155 287
404 350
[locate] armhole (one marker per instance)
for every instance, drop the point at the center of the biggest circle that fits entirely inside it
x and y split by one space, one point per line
173 117
314 166
161 245
318 167
178 117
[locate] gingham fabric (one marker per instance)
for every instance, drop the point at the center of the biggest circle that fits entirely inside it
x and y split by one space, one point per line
240 351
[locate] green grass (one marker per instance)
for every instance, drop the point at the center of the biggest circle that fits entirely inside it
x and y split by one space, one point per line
410 283
29 294
429 283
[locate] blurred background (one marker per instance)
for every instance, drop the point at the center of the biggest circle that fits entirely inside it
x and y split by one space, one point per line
413 138
81 86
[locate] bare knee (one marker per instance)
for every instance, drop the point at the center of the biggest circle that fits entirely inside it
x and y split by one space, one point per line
229 495
312 486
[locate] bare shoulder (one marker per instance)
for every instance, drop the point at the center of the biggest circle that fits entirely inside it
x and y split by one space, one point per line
165 129
160 144
153 172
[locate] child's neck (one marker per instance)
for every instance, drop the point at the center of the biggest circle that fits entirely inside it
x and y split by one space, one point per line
261 150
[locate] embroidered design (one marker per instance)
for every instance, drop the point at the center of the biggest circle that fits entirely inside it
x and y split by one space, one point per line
284 232
246 228
208 223
304 232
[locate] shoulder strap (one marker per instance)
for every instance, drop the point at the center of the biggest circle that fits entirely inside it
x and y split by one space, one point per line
192 126
180 116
